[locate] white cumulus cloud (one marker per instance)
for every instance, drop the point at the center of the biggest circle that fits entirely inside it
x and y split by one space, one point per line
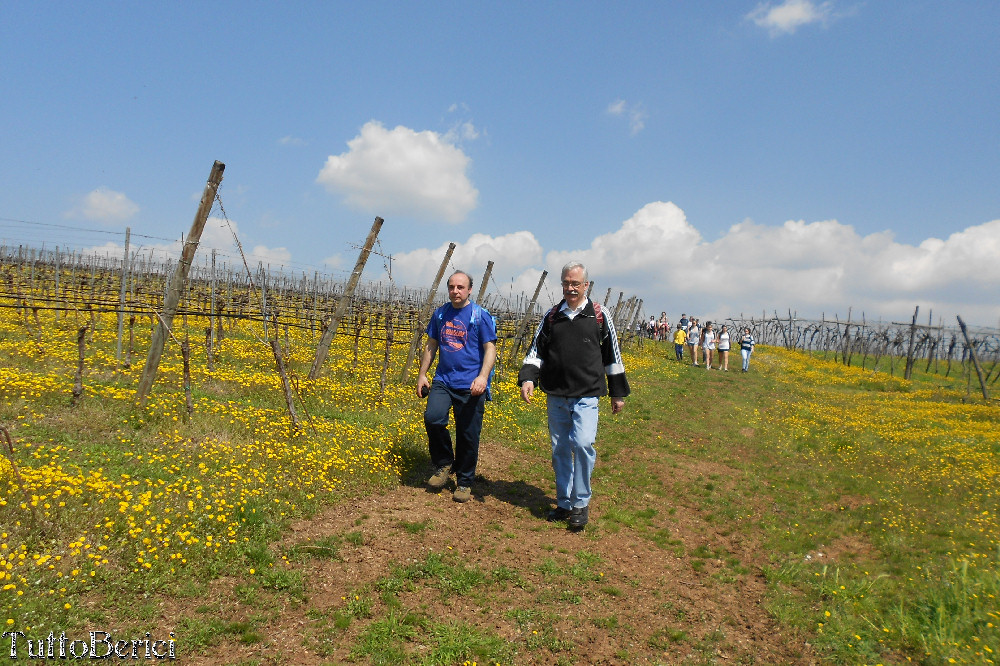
105 205
789 16
403 171
814 269
514 252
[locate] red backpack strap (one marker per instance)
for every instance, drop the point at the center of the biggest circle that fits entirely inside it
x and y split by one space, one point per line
599 313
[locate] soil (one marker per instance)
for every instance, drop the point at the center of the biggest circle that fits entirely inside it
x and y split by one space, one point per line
695 594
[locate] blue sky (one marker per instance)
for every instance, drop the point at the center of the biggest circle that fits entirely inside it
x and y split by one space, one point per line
714 158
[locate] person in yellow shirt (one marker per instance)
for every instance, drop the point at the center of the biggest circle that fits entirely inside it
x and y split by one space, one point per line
679 337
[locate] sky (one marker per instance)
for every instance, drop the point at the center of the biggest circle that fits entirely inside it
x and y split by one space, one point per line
715 159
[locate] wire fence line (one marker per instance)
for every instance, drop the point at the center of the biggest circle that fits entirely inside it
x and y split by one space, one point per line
892 346
74 283
225 294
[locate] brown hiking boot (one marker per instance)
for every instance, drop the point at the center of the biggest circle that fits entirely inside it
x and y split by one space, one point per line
462 494
440 478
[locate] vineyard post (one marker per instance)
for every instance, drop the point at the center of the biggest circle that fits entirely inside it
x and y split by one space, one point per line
519 335
607 297
177 282
486 280
81 344
58 312
909 351
345 299
312 320
263 297
975 357
618 307
590 289
279 363
121 298
425 313
211 312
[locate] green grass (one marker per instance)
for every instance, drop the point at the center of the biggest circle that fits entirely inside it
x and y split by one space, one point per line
874 527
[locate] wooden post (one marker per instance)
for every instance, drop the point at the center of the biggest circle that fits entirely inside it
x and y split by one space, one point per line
486 280
81 343
909 350
121 298
286 387
186 356
521 325
425 314
975 357
177 282
212 316
389 336
323 349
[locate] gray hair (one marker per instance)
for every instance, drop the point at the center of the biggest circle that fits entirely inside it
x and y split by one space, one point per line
570 266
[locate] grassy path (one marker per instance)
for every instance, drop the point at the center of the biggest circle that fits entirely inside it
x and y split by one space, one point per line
668 571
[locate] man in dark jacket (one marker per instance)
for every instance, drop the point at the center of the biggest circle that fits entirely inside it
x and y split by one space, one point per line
574 358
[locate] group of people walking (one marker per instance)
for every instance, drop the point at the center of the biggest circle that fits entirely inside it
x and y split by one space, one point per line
711 345
574 358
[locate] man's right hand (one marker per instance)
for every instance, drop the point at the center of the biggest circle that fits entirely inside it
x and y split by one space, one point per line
422 384
527 390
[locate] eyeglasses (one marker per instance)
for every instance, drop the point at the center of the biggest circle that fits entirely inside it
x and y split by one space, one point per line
572 285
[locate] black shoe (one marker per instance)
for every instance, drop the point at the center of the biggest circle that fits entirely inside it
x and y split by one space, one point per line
578 518
558 514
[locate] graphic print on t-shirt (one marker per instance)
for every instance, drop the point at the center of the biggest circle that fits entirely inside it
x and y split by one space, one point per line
454 335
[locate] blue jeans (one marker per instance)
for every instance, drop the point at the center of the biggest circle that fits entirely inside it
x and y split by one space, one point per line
746 358
573 428
468 410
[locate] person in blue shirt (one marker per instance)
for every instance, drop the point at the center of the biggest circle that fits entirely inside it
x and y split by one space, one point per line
463 336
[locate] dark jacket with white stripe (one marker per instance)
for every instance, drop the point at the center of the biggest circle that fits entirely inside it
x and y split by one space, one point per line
575 358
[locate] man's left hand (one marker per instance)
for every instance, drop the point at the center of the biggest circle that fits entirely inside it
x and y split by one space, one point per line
478 386
617 405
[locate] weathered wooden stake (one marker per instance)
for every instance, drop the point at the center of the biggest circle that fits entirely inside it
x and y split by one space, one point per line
173 295
121 297
345 300
521 325
486 281
289 400
975 358
81 343
425 315
909 350
186 355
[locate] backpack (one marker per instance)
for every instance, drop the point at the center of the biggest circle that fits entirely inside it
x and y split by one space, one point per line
598 315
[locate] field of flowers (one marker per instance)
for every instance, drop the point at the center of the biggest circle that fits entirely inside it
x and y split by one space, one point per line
104 495
108 489
915 472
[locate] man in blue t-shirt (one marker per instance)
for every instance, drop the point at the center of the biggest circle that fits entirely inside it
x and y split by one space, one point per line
465 335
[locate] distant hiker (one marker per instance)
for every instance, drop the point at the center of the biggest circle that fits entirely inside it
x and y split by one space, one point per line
724 344
662 327
708 344
574 358
693 340
746 348
465 334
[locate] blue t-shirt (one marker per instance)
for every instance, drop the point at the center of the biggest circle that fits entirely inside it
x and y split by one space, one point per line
461 335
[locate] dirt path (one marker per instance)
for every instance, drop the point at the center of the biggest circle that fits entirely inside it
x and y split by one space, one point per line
672 588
